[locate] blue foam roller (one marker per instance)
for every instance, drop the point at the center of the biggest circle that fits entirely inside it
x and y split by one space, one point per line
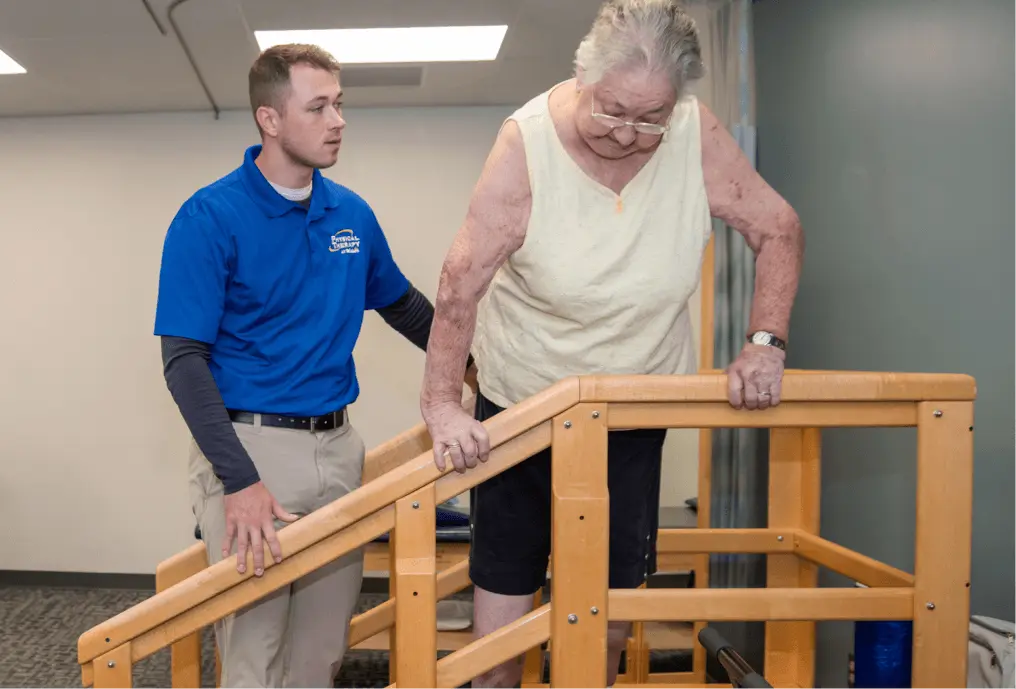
882 653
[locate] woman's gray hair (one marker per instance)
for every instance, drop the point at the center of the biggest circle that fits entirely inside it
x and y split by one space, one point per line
657 34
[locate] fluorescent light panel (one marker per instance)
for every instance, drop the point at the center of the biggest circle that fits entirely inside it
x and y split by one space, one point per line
9 66
410 44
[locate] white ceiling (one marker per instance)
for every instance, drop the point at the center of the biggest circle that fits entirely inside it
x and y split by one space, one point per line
103 56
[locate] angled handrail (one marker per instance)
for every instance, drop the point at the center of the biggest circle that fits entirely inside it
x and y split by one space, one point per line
380 460
326 522
394 453
366 513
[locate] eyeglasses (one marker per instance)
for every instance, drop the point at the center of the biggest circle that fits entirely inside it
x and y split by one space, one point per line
614 122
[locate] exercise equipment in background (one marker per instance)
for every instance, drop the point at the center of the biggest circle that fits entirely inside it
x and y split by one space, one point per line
882 654
738 671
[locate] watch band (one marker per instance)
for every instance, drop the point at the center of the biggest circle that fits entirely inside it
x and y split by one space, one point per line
763 337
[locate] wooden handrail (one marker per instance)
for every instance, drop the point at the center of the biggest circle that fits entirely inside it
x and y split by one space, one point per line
481 655
392 484
317 526
404 447
392 454
798 386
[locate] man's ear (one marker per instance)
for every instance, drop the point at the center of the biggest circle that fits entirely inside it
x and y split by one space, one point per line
268 118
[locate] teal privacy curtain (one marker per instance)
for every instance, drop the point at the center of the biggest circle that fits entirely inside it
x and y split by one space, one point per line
739 461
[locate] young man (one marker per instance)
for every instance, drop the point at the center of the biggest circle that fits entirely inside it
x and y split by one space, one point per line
265 277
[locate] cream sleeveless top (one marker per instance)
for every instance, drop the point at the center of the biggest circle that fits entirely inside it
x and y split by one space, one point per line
602 281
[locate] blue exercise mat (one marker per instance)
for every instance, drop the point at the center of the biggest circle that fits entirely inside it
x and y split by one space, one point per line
452 526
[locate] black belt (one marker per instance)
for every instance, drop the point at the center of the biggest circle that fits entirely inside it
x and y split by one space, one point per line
301 423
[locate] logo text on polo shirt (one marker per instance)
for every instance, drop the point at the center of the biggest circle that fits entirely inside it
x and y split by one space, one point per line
345 242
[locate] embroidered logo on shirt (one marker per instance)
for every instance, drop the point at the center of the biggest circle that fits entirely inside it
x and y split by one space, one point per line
345 242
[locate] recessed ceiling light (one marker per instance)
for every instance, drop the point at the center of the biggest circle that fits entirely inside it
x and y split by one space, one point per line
411 44
9 66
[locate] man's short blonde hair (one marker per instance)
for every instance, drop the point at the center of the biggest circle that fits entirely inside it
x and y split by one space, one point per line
268 79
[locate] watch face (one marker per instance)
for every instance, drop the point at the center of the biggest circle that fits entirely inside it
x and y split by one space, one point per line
760 338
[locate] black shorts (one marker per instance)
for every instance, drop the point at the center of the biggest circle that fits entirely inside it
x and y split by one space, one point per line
510 515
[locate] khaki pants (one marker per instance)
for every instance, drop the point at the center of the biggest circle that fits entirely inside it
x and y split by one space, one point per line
296 636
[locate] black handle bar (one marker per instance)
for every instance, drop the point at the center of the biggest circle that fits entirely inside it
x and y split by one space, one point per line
740 673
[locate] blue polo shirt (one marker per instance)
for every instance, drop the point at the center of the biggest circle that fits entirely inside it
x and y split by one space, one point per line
277 291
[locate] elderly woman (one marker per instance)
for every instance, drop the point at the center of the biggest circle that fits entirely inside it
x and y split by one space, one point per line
584 240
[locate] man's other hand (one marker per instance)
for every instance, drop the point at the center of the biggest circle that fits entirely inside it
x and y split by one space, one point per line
250 513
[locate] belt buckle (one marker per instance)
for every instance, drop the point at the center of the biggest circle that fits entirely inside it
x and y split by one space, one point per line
334 416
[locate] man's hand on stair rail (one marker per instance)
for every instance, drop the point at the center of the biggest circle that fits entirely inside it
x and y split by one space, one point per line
249 514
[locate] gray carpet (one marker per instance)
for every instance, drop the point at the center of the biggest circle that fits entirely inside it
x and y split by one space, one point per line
39 630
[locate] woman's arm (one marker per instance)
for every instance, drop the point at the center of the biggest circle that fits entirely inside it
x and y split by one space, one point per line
494 228
741 198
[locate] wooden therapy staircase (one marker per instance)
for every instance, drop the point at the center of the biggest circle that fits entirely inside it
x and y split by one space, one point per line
403 487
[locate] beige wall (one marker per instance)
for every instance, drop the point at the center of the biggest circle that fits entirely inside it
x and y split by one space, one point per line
92 449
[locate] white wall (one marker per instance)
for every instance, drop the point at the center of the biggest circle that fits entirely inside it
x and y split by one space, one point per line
92 449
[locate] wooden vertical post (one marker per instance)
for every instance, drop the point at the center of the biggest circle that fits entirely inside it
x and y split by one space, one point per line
701 571
794 493
945 451
532 665
113 669
185 654
580 537
415 587
707 356
637 655
393 631
185 663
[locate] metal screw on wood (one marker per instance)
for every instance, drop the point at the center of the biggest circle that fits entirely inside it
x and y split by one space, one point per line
416 505
111 664
779 538
567 424
595 610
930 606
572 619
938 413
596 414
